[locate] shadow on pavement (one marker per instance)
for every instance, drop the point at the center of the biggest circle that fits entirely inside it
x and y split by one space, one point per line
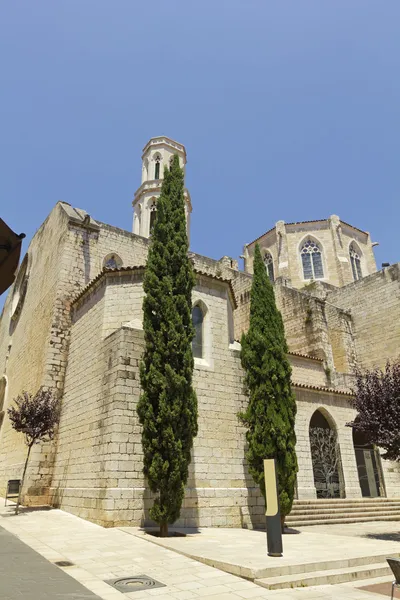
389 537
23 510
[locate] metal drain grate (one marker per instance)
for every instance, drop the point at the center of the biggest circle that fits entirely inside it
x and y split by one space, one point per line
134 583
64 563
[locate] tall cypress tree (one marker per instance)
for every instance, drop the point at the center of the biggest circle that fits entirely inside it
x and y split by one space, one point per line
271 410
167 407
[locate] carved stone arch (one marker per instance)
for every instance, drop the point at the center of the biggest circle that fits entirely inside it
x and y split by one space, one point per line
325 455
269 264
327 416
199 302
152 206
157 160
112 261
313 238
199 319
308 240
353 243
357 261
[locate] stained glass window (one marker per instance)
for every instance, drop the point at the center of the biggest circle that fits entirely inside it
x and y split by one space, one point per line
197 344
311 257
355 263
269 264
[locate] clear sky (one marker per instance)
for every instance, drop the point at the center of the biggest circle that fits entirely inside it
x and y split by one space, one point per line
288 110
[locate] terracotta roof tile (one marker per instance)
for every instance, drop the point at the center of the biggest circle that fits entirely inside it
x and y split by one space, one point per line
106 270
321 388
306 356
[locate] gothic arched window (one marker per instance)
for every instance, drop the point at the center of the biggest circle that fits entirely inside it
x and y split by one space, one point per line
311 258
269 264
355 260
157 167
197 320
153 215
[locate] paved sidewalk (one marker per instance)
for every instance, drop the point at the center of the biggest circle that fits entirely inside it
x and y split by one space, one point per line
243 552
100 554
26 574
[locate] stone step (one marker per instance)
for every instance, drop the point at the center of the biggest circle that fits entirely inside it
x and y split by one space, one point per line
343 501
330 565
332 576
337 520
338 515
348 509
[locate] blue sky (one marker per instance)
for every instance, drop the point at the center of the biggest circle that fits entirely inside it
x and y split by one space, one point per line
288 110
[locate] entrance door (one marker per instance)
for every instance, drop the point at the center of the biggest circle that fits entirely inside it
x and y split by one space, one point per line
368 465
325 454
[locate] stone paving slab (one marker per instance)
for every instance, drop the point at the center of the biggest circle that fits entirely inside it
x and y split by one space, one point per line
26 574
101 554
243 552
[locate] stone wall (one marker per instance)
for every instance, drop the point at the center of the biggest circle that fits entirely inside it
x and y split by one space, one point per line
333 237
98 469
338 412
64 255
374 304
28 359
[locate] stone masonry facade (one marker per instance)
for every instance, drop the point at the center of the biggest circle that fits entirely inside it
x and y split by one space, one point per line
72 323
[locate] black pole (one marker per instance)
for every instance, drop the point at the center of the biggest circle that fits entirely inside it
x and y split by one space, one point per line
273 515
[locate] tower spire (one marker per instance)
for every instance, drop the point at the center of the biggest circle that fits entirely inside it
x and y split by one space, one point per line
157 153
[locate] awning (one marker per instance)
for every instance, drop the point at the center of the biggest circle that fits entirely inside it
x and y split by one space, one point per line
10 250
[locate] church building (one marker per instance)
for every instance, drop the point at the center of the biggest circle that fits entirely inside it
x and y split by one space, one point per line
72 322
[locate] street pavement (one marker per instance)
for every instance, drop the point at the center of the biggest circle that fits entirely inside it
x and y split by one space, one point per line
99 554
26 574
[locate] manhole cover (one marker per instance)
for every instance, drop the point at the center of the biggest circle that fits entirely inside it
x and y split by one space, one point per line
134 583
64 563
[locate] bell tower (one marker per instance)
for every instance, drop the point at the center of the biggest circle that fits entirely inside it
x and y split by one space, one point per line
157 154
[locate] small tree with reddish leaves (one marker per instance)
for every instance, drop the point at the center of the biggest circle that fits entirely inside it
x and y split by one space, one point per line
377 401
36 416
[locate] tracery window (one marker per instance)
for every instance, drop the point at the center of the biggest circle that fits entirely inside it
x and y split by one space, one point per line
153 215
197 320
269 264
311 258
157 167
355 261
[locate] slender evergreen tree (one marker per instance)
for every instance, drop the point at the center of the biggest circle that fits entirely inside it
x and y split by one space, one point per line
167 408
271 410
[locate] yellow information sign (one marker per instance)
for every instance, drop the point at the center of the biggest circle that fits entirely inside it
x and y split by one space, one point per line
271 497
